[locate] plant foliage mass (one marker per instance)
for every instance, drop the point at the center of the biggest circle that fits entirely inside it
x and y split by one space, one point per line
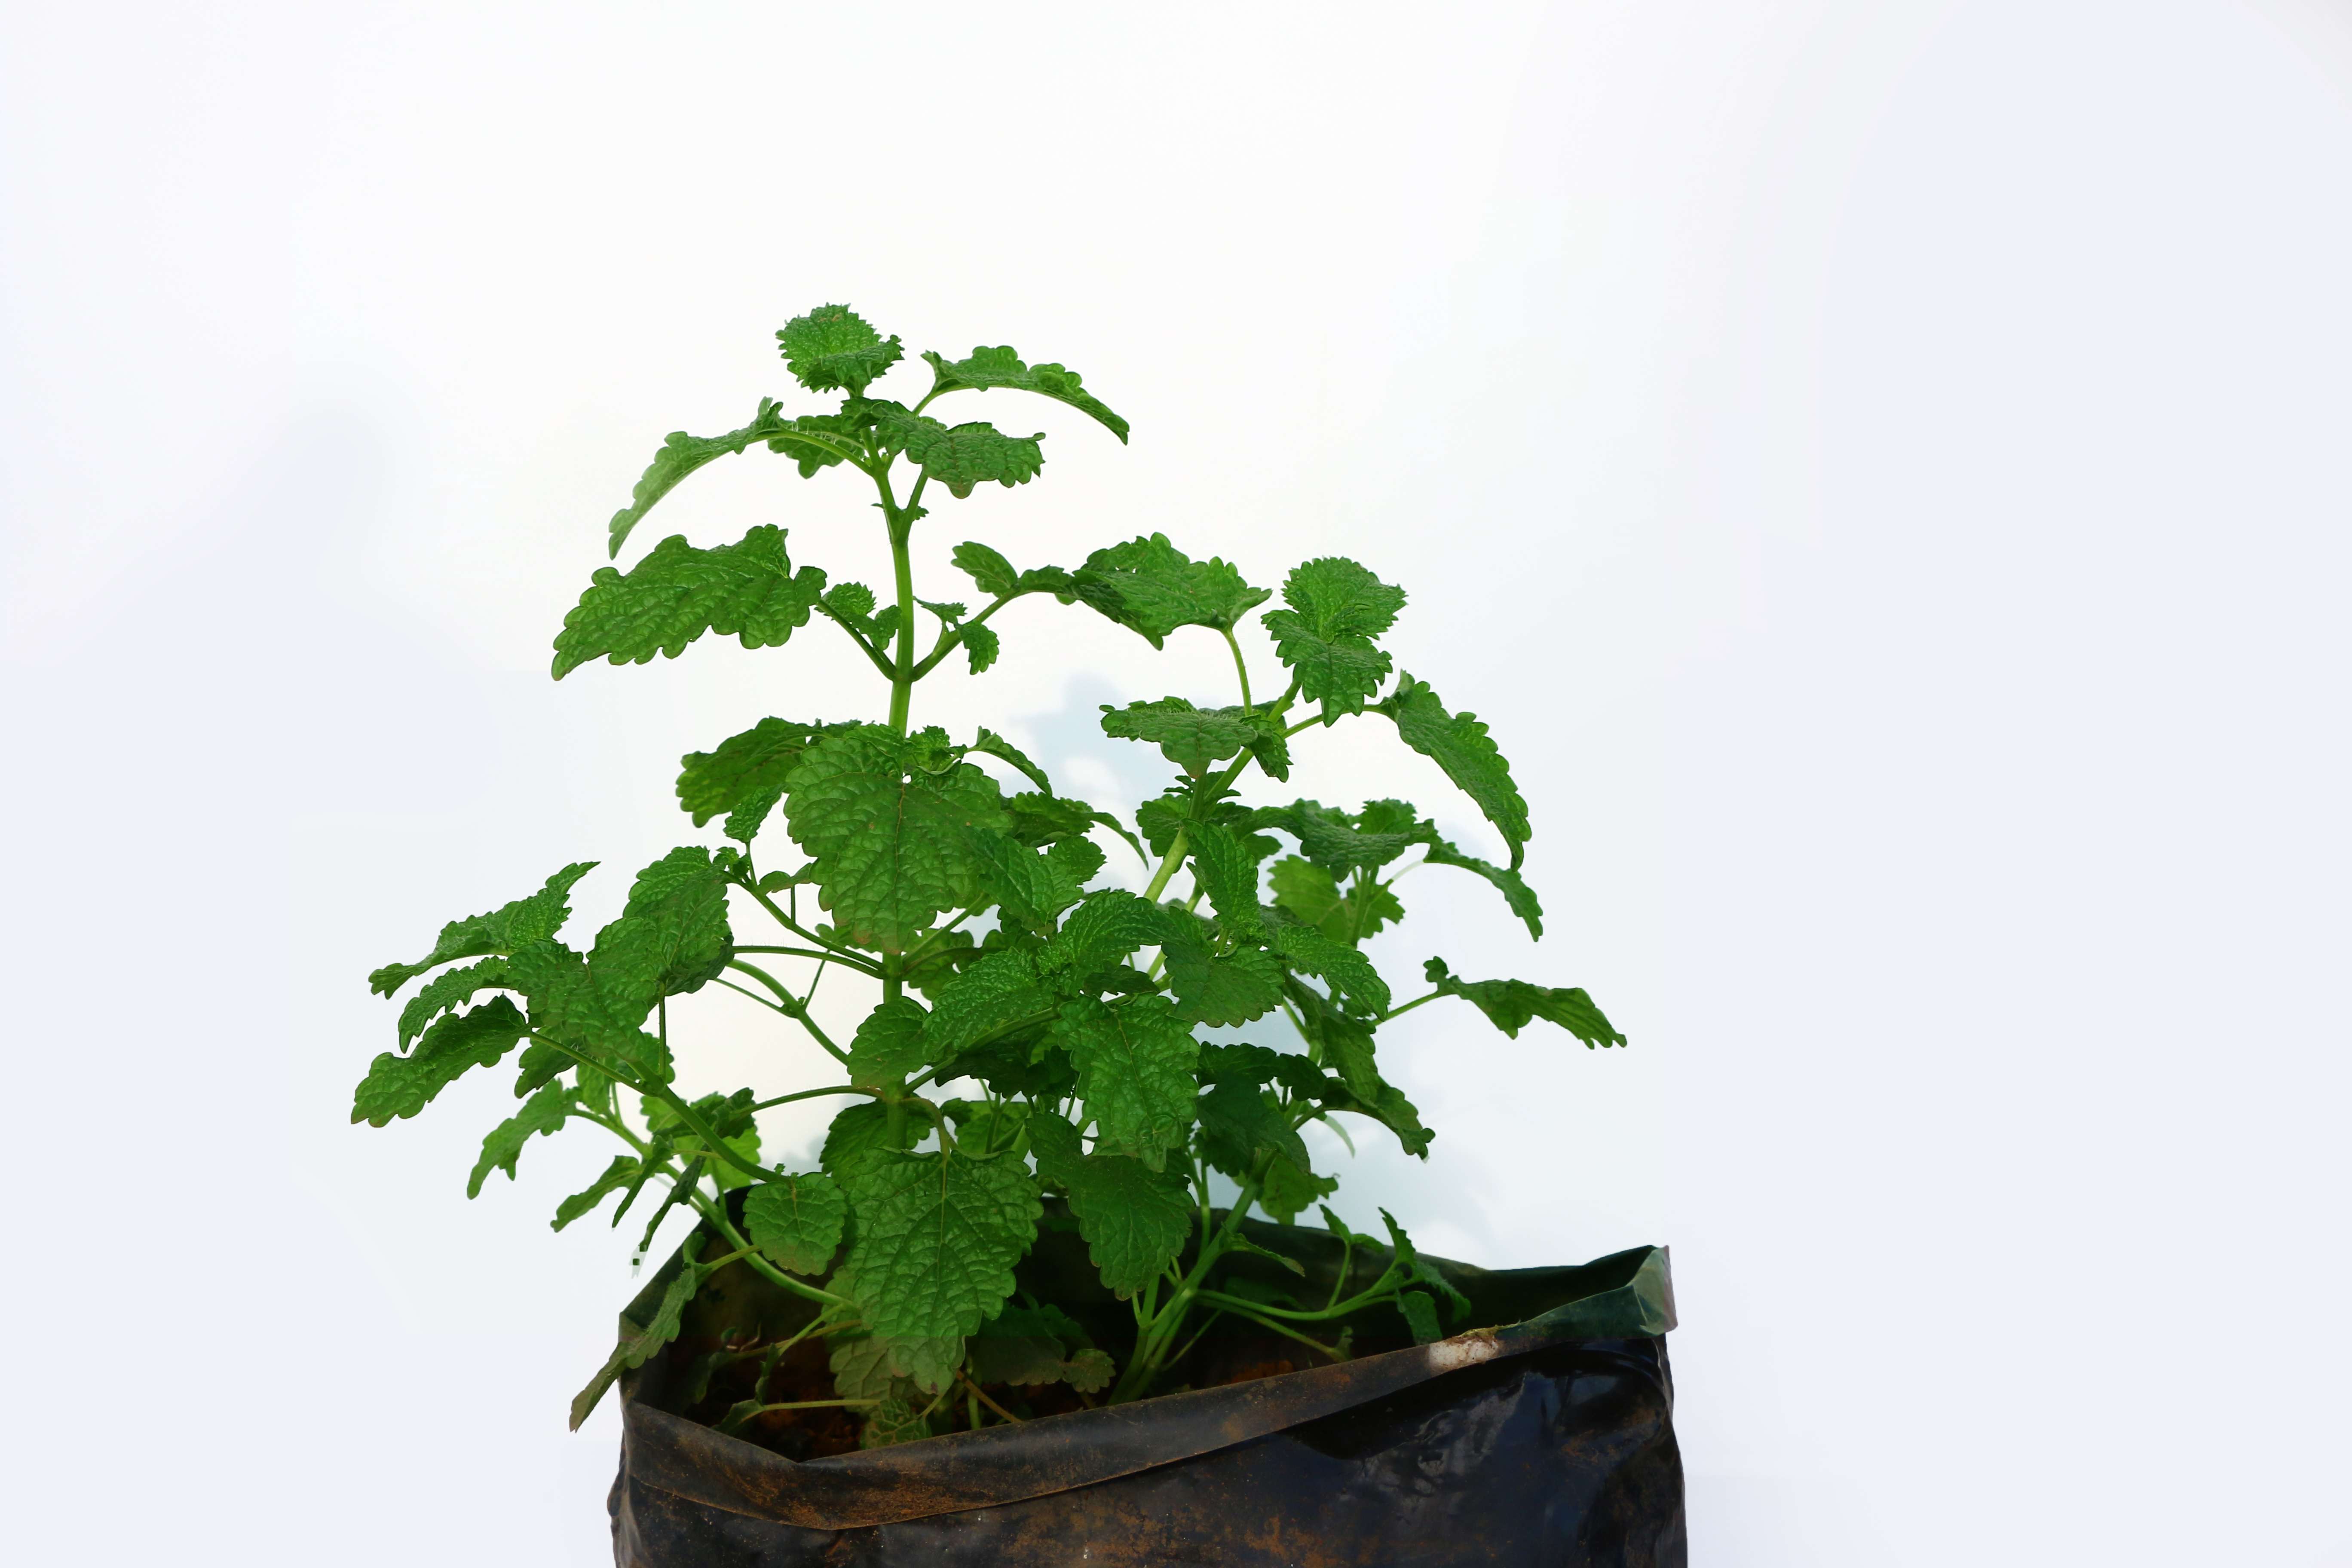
1035 1029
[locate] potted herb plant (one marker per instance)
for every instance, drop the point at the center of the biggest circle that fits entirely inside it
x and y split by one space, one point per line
1007 1318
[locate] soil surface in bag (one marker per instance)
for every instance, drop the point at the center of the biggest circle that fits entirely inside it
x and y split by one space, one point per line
1545 1439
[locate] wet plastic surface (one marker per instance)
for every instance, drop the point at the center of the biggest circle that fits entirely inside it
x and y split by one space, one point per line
1548 1440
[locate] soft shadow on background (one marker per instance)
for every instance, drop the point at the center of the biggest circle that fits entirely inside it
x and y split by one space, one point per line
1880 468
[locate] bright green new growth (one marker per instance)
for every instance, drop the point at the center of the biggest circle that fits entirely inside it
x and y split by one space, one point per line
1065 1010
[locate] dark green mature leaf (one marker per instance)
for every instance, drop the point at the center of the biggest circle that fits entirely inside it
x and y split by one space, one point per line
1337 608
1152 587
638 1346
1309 895
502 931
543 1114
988 743
681 455
860 1132
890 1047
716 783
961 457
1194 739
1098 934
569 1007
1135 1220
796 1223
1420 1316
1512 1005
1288 1190
1031 887
1349 972
1226 863
1040 819
832 349
993 994
937 1238
1222 990
1340 843
619 1174
1135 1067
1001 366
672 937
747 590
446 991
892 842
1457 743
1347 1047
1239 1124
403 1086
1516 892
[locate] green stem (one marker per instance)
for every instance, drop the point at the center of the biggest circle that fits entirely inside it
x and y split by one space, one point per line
1241 1308
1416 1001
902 680
1240 667
685 1113
812 1094
1167 864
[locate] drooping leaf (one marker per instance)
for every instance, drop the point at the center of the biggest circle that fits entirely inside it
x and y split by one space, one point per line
1512 1005
1289 1189
988 743
543 1114
1340 843
998 990
502 931
1337 608
1347 1047
1042 820
1135 1065
1239 1125
1458 743
1098 934
617 1175
1348 971
832 349
730 1119
747 590
1135 1220
937 1238
987 567
717 782
1029 887
796 1223
1516 892
1152 587
569 1007
448 990
671 938
638 1344
1226 863
980 647
860 1132
1420 1316
1001 366
1194 739
681 455
891 842
961 457
888 1046
403 1086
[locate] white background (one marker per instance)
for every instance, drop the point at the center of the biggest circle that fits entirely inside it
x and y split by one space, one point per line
1880 467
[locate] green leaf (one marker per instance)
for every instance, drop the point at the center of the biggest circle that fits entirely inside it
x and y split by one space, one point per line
1222 990
502 931
1346 1047
961 457
1516 892
1002 367
1457 743
718 781
1226 863
832 349
986 567
937 1238
446 991
544 1114
1288 1191
1194 739
1512 1005
998 990
892 843
1348 971
860 1133
748 590
1340 843
638 1344
980 647
1135 1067
888 1046
1040 819
1239 1124
403 1086
681 455
568 1006
617 1175
1135 1220
988 743
1100 932
1420 1316
796 1223
1337 608
672 937
1152 587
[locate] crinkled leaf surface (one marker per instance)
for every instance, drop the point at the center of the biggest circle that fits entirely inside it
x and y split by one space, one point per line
796 1223
403 1086
672 937
1001 366
1152 587
747 590
998 990
448 990
681 455
1194 739
1239 1124
832 349
715 783
543 1115
1135 1065
1135 1220
1222 990
1512 1005
636 1347
889 1046
1099 932
1516 892
1349 972
1458 743
937 1238
1336 609
502 931
961 457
